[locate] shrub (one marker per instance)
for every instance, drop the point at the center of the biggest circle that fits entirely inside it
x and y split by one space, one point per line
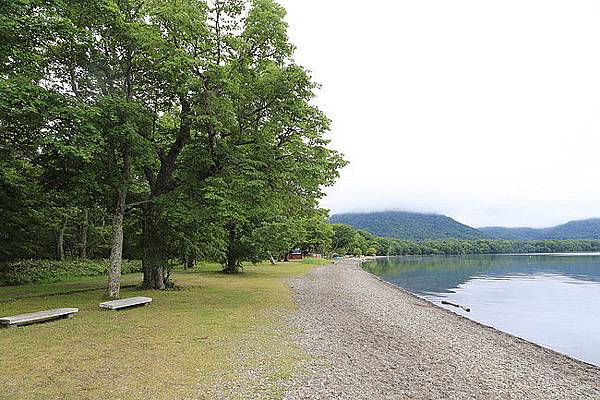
32 271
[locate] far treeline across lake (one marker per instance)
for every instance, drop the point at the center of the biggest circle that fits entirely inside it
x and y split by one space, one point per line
394 233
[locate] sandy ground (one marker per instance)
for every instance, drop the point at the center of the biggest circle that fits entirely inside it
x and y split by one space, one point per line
370 340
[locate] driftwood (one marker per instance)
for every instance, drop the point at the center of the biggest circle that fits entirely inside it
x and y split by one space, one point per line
456 305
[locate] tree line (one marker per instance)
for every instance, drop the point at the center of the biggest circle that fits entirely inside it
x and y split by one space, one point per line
160 130
348 240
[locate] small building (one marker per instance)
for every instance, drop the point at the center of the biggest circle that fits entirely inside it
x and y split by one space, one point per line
296 254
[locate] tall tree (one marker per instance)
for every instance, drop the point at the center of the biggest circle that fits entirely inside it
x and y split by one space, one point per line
269 145
193 111
96 62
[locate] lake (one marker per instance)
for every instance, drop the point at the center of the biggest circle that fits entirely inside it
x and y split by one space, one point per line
552 299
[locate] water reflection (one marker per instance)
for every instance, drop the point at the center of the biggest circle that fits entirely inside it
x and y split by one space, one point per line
553 300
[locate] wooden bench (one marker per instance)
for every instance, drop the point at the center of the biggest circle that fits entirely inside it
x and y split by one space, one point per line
126 303
24 319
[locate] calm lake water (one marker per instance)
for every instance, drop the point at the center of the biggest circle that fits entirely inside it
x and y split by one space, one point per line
552 300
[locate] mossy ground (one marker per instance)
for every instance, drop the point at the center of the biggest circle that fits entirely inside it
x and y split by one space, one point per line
217 336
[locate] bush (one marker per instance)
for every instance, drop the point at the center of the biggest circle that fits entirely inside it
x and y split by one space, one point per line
316 261
32 271
372 251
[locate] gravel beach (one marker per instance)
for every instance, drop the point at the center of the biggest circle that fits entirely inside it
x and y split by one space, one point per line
370 340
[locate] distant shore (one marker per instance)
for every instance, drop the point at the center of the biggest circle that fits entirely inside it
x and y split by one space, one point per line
374 340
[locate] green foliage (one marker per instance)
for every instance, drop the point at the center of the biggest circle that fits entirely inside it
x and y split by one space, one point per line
318 235
343 238
506 246
21 200
194 113
29 271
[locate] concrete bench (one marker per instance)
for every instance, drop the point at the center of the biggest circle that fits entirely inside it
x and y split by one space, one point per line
24 319
125 303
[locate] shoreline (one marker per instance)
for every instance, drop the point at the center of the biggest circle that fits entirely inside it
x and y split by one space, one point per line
481 324
559 253
374 340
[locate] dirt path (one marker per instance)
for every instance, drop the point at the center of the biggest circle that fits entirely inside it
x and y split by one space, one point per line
372 340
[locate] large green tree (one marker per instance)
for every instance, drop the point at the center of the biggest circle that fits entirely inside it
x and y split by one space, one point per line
245 132
189 115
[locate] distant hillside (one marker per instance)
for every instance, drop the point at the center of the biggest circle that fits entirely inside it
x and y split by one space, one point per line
408 226
585 229
499 232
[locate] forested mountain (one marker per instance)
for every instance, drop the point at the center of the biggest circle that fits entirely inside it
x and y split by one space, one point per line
420 227
584 229
408 225
499 232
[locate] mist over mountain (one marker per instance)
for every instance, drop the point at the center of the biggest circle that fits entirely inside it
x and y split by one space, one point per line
408 225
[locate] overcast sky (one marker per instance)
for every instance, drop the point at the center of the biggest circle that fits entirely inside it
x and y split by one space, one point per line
486 111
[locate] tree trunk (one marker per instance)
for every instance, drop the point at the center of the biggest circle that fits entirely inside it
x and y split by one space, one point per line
60 241
231 265
147 246
83 235
152 262
116 250
160 184
190 262
271 258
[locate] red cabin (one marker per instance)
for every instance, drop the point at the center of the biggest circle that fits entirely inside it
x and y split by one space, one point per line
296 254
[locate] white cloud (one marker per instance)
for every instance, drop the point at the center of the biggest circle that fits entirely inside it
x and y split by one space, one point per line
485 111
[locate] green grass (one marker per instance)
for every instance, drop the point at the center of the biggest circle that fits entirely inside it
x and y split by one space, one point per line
49 271
188 343
75 284
316 261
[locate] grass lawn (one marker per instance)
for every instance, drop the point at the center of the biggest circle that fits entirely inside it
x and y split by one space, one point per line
219 336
